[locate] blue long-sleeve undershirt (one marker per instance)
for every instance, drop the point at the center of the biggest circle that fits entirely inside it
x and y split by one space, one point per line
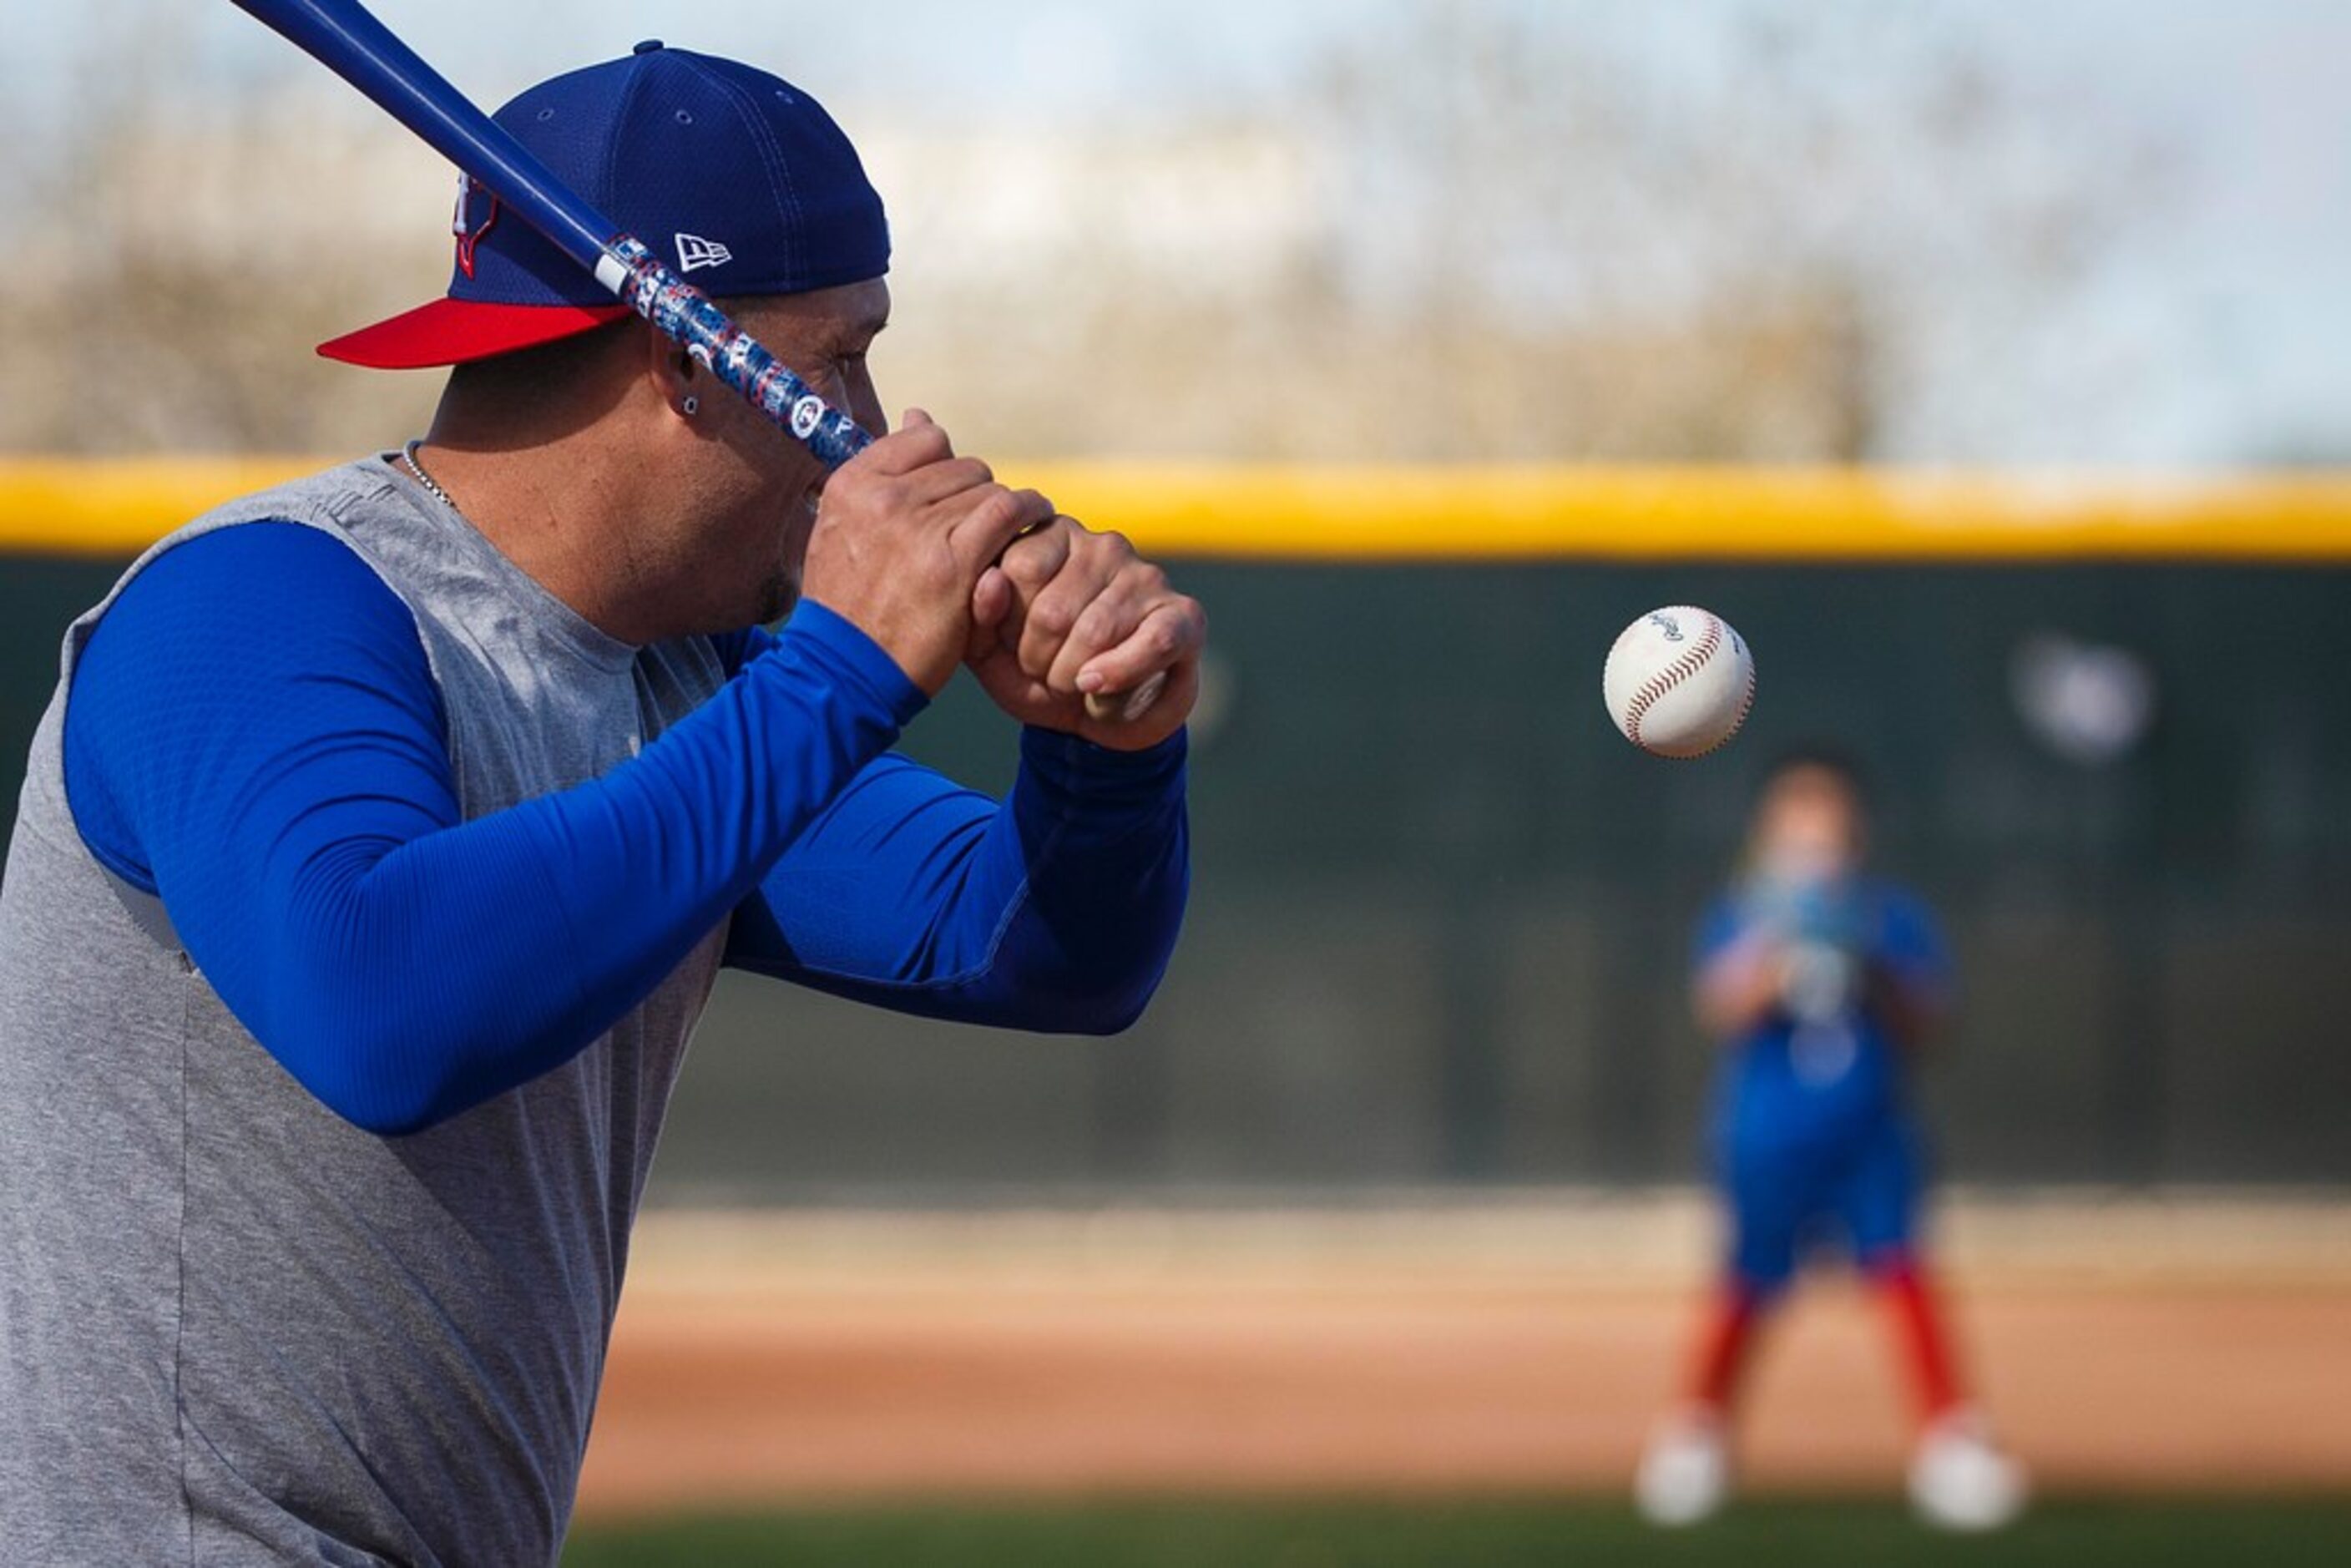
1056 910
255 738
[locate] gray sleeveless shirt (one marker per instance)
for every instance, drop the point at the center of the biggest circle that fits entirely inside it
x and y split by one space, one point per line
234 1328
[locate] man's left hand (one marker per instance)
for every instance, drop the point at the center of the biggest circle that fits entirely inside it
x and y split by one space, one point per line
1068 615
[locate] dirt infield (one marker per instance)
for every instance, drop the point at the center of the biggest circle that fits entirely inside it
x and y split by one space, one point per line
763 1359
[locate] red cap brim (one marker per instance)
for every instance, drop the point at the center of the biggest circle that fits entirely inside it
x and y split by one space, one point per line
454 331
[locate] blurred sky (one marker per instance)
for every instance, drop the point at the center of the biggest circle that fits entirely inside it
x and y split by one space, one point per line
2210 327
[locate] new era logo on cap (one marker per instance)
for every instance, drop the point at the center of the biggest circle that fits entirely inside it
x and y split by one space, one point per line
693 251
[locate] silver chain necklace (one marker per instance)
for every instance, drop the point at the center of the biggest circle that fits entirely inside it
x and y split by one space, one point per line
408 456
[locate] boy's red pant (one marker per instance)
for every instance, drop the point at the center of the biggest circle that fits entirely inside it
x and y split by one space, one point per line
1727 1340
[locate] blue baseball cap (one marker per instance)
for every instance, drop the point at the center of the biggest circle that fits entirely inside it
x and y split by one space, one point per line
738 179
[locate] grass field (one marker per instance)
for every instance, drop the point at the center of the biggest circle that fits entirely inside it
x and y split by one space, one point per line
2134 1533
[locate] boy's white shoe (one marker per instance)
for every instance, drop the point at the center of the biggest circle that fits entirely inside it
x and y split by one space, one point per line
1959 1480
1685 1475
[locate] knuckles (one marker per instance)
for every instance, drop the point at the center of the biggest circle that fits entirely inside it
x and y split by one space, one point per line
996 507
1098 623
1035 561
869 492
917 445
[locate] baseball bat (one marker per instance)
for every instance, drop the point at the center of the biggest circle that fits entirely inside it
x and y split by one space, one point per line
346 37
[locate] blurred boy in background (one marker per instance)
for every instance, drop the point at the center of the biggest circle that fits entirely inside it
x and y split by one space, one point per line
1821 982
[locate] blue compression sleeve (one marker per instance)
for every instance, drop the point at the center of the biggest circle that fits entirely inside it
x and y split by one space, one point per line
1056 910
255 738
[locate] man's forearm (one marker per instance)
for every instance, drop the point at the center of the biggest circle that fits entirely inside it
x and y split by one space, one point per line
1055 910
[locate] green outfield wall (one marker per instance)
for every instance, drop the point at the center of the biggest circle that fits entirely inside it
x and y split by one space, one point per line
1442 910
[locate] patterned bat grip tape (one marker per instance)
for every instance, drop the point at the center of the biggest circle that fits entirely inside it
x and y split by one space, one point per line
685 313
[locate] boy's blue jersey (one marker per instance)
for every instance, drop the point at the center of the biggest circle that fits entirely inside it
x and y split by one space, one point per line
1822 1072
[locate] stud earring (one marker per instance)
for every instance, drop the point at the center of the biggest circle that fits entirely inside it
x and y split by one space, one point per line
691 406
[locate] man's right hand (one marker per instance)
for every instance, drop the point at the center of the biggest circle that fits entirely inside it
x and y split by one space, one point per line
903 533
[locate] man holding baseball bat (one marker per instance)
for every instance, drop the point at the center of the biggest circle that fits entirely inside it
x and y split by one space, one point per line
388 830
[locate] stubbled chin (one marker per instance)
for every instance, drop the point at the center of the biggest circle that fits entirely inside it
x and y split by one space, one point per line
779 595
777 600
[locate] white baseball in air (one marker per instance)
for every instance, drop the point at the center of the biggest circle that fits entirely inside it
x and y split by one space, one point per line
1679 682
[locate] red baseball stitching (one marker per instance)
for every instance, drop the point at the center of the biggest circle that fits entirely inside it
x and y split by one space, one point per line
1674 674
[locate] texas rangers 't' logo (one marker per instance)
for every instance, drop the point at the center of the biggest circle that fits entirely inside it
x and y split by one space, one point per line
461 224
